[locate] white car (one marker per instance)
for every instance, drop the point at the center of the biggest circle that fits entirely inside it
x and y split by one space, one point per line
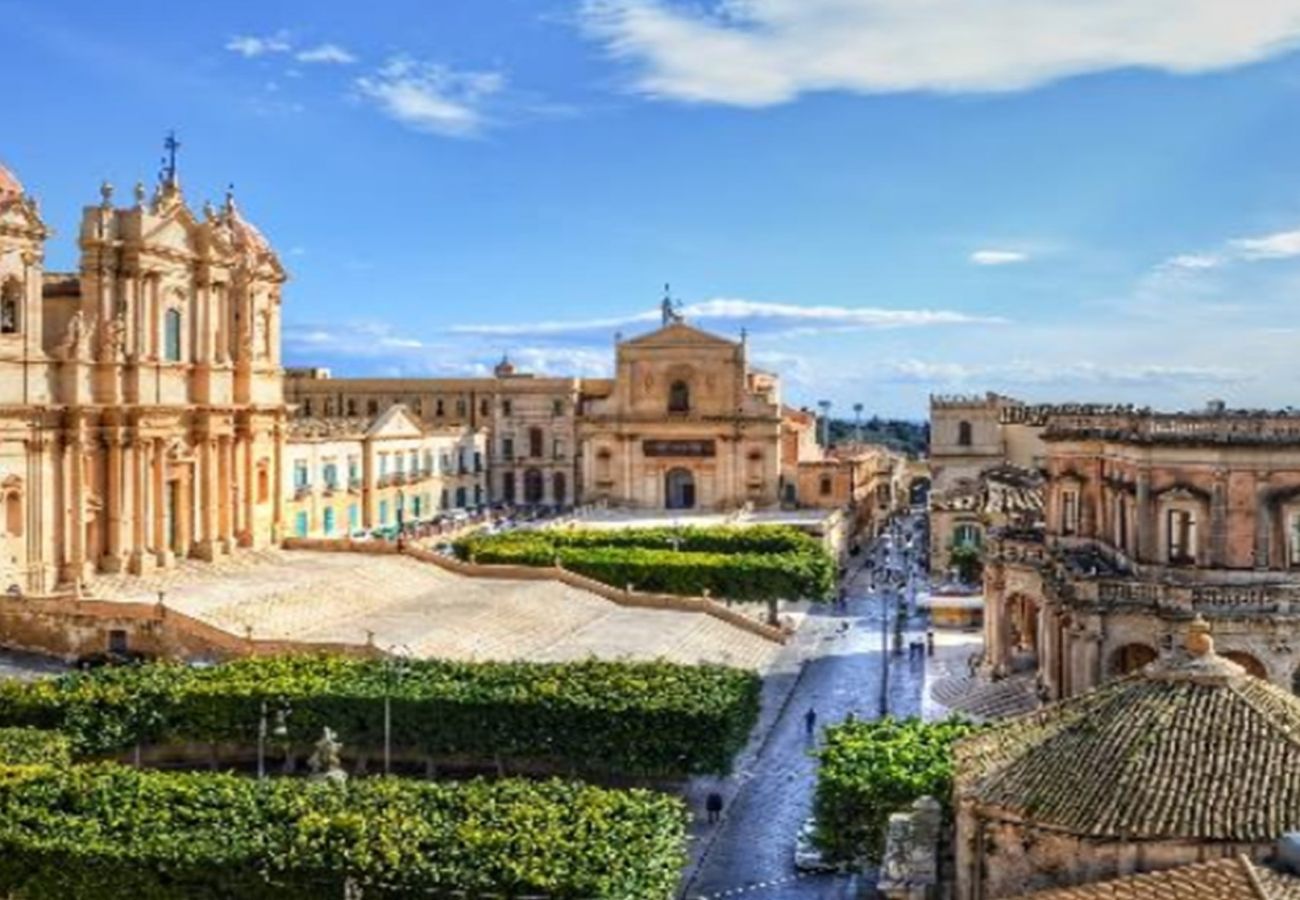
807 855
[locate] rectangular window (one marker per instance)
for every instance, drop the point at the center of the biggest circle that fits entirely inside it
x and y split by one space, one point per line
329 521
331 475
172 342
354 517
460 408
415 461
557 407
399 462
383 465
354 470
506 408
439 408
508 447
300 477
383 512
300 524
1293 539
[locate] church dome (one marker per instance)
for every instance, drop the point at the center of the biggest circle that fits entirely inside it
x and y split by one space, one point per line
1191 750
505 368
10 186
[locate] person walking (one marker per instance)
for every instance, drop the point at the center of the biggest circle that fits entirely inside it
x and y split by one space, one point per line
810 722
713 806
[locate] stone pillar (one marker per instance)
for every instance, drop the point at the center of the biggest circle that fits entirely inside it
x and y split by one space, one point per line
114 502
1145 513
185 490
226 500
1263 521
1219 519
209 499
74 454
163 552
138 468
277 487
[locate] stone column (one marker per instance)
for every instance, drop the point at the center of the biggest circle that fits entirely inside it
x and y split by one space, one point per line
277 488
1145 514
209 498
137 463
1219 519
225 493
74 454
114 501
185 489
163 551
1263 521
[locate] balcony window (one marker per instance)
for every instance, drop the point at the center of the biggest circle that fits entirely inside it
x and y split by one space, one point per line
331 474
301 478
329 521
535 441
508 448
679 397
172 336
966 535
506 408
1069 513
383 512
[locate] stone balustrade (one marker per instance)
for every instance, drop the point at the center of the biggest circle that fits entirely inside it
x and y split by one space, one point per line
1189 599
1146 427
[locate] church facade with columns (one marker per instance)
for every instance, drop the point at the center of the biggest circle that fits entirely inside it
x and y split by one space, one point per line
141 396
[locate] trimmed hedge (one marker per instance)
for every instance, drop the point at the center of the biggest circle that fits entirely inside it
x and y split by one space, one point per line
33 746
869 770
108 832
761 563
656 718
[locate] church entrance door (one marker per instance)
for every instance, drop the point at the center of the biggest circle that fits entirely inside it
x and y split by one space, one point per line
679 489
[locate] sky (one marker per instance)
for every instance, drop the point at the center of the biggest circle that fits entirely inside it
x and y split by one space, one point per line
1059 200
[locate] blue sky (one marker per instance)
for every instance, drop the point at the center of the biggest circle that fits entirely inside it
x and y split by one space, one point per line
1060 200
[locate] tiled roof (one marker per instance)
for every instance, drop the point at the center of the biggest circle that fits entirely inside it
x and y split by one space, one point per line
1194 750
1230 878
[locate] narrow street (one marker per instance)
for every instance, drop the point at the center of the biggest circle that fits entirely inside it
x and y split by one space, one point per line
753 851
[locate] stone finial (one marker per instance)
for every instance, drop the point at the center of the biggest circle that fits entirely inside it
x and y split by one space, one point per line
106 194
140 194
1199 641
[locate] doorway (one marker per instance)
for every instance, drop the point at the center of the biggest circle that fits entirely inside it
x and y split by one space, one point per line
679 489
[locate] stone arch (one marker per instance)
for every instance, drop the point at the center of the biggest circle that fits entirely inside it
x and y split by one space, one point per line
534 486
1131 657
1021 613
1250 663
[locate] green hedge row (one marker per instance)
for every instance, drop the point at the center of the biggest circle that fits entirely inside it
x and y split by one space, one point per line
778 563
868 770
108 832
654 718
34 746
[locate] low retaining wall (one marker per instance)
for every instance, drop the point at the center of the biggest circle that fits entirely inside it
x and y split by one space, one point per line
702 605
70 627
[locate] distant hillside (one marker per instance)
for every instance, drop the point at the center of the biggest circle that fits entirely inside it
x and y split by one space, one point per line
912 438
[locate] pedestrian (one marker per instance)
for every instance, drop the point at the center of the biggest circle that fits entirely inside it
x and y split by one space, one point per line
810 722
713 806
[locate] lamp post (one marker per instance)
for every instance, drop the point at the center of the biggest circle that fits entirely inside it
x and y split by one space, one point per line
281 730
395 666
825 407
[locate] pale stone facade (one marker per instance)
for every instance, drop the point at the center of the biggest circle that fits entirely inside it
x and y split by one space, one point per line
141 411
1149 519
689 425
344 476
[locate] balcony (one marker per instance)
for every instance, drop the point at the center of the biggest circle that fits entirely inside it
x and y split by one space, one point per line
302 490
1207 599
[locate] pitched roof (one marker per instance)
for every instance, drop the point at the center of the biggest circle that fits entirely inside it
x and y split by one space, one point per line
679 333
1230 878
1194 749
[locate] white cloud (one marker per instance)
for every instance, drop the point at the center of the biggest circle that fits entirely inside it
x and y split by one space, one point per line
325 53
432 97
998 257
755 314
250 46
1037 373
762 52
1194 261
1282 245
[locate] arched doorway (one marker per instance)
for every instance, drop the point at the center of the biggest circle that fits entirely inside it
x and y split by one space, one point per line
1252 665
1022 618
559 489
679 489
1131 657
533 486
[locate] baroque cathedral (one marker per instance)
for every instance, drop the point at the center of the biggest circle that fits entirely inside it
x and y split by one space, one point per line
141 397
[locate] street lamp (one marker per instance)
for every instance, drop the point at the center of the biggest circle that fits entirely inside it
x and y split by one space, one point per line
825 407
395 667
280 731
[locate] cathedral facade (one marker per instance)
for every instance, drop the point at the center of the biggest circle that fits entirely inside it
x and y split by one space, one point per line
141 397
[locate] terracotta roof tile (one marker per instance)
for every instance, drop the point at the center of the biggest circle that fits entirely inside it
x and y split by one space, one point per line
1230 878
1197 750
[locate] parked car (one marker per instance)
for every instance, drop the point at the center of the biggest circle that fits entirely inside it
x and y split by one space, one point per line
808 856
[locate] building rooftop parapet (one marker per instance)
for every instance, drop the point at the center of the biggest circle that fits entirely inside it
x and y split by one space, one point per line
981 401
1246 427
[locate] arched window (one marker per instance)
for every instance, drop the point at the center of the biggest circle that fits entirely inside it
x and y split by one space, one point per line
10 306
1252 665
1132 657
263 482
964 434
679 397
172 336
533 486
13 514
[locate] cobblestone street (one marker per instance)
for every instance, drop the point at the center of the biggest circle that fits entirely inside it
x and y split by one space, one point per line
751 853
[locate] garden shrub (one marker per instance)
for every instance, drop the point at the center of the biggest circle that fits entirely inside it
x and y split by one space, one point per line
33 746
654 719
109 832
760 563
868 770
